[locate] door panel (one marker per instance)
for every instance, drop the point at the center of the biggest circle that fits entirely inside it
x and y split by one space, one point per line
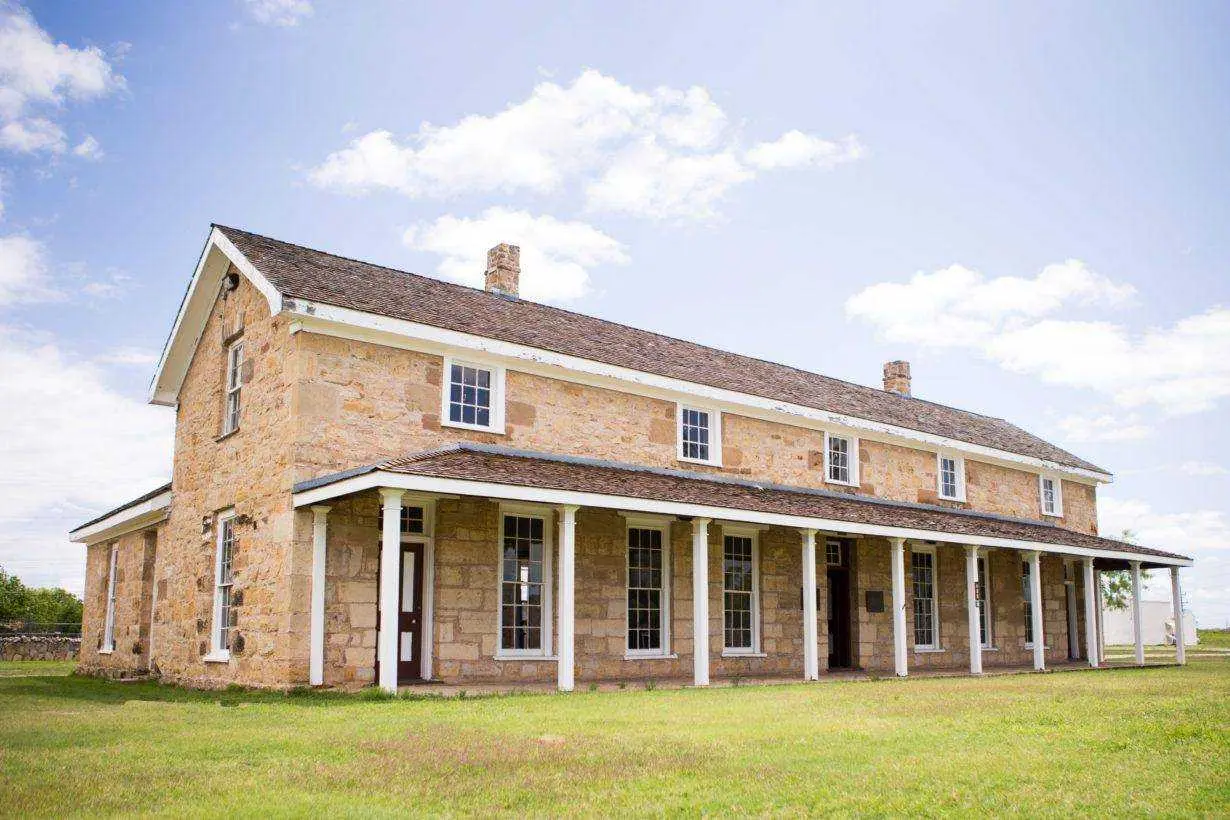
839 618
410 614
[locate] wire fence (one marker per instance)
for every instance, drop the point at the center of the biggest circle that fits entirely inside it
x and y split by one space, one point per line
41 629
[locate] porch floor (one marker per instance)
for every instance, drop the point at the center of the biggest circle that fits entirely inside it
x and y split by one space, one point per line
431 688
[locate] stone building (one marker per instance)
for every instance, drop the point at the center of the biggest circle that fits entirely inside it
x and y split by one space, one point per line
381 478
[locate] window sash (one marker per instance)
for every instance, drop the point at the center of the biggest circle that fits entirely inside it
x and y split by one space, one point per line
470 391
739 593
523 584
1027 603
950 478
694 434
648 588
234 366
223 585
984 607
926 602
1051 504
109 623
838 452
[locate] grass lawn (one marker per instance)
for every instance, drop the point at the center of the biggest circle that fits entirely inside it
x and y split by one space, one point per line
1123 741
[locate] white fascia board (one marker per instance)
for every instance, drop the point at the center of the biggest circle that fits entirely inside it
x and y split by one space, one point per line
454 486
194 313
132 518
346 323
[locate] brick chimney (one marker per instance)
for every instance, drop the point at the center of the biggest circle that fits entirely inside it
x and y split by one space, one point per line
503 269
897 377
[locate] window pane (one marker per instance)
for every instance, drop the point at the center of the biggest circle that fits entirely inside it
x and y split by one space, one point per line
694 434
644 589
737 582
922 566
521 594
470 395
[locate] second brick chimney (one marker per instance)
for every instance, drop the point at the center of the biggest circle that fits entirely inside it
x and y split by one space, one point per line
897 377
503 269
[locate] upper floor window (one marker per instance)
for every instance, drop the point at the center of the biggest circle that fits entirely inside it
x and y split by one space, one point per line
108 643
224 559
700 435
841 459
1051 491
951 474
926 603
740 594
648 590
234 384
473 396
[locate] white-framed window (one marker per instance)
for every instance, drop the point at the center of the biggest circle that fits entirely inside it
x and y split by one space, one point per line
108 643
841 459
234 386
525 582
700 434
982 595
648 564
740 592
925 578
472 396
834 553
1050 491
1027 604
950 474
224 561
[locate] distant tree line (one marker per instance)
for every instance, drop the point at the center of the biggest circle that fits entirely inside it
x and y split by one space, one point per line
20 604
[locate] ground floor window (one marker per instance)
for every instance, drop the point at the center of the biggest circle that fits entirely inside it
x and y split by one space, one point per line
521 584
739 593
982 595
926 604
1028 603
109 623
223 583
648 590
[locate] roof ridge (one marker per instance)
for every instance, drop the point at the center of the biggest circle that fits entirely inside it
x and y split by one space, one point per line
558 309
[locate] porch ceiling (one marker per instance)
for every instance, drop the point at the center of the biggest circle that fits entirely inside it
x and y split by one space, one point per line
475 469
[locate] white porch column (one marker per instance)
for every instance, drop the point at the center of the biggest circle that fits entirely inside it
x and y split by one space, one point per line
567 596
971 604
1035 607
1177 598
1092 593
316 629
700 601
899 655
1097 582
811 661
1137 626
390 575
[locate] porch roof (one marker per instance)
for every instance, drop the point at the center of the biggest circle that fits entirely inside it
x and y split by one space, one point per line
488 470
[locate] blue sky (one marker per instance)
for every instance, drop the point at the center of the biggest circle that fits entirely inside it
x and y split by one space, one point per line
1027 203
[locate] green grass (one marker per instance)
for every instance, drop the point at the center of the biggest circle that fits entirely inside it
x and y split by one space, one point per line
1219 638
1124 741
17 669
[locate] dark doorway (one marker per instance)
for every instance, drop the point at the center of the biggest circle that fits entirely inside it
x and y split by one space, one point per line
839 617
410 614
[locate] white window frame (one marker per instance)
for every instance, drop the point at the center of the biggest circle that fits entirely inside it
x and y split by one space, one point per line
935 644
959 462
983 567
715 434
497 395
852 451
548 581
1057 484
662 526
754 534
108 644
1027 595
218 653
234 388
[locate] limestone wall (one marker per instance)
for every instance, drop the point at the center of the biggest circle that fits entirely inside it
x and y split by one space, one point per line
38 648
134 584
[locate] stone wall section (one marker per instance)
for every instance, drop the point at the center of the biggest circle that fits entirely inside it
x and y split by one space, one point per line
38 648
134 586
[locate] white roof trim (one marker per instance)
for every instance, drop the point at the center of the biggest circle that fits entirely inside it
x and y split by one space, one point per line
318 317
429 484
124 521
194 312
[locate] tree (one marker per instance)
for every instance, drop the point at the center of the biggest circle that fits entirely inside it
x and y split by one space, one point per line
19 602
1117 584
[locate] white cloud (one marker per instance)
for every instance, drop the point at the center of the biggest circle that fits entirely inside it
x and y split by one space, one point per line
85 448
555 256
661 153
89 148
1202 468
794 149
37 72
1079 429
279 12
1183 368
23 271
32 135
128 356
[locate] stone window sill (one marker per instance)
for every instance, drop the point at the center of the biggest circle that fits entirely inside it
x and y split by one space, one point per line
225 436
657 656
923 650
217 657
726 653
105 651
505 657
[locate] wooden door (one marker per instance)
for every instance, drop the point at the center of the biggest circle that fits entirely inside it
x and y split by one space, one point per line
410 614
839 618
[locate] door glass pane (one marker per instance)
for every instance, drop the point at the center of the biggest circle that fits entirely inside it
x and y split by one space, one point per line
407 647
407 582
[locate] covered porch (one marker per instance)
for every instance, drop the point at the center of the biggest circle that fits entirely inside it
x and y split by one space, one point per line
479 566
